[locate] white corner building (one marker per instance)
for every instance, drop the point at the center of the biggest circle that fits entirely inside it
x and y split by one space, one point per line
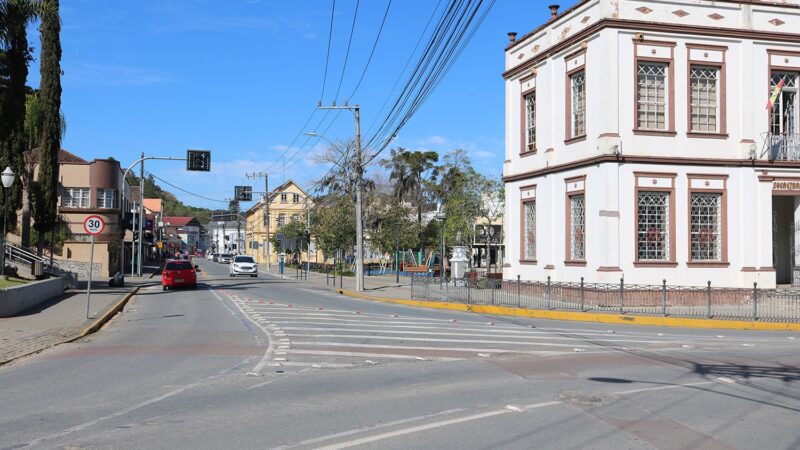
639 144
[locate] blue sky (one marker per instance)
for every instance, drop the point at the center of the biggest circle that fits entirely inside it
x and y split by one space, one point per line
240 77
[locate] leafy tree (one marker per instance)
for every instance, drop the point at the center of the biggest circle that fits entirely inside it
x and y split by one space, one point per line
51 127
292 230
332 224
391 226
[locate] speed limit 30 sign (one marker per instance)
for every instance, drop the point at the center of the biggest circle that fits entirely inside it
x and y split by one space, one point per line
94 225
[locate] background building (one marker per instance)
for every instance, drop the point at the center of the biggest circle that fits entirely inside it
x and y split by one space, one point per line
638 144
288 202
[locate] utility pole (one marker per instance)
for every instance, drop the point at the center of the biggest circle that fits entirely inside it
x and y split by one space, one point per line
141 215
257 176
359 163
308 233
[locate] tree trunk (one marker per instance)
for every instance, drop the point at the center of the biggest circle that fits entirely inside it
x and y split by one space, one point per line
25 234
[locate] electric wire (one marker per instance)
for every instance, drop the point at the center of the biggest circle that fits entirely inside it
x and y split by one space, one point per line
328 53
184 190
347 53
372 52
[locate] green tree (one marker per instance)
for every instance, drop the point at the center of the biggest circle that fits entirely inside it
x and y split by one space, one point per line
50 98
391 226
292 231
332 224
15 15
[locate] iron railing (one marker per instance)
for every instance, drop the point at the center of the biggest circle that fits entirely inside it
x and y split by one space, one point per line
781 146
708 302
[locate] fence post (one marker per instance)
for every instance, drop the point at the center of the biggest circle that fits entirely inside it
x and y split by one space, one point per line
622 295
327 275
548 292
469 286
664 297
708 298
755 301
518 283
428 286
412 286
582 308
341 279
491 284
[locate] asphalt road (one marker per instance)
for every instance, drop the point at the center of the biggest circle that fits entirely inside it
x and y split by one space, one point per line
266 363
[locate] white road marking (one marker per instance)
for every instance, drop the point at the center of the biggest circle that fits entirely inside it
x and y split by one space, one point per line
423 339
406 347
268 352
429 426
365 429
661 388
363 355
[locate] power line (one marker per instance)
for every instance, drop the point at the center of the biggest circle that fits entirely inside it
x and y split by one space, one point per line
372 52
184 190
347 54
328 54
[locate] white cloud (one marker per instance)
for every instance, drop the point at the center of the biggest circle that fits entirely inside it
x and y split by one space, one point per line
114 74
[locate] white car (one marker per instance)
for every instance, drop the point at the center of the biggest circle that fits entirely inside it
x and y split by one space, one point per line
243 265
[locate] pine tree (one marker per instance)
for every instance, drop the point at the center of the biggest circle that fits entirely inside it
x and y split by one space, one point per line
50 100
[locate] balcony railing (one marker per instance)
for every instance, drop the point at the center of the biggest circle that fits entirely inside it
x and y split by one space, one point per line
781 147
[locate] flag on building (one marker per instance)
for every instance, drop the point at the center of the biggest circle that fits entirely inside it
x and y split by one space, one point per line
775 93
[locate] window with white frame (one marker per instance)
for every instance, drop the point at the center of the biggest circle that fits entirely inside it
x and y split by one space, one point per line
75 197
281 219
106 198
704 98
577 227
653 226
284 198
295 198
295 217
706 226
529 230
578 105
651 96
530 122
785 110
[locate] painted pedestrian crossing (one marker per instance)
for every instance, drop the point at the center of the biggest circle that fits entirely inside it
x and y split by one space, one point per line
306 337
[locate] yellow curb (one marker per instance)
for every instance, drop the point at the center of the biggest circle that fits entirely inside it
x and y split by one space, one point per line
107 316
587 316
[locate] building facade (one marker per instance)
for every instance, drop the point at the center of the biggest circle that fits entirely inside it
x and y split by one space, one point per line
181 234
91 188
638 144
287 203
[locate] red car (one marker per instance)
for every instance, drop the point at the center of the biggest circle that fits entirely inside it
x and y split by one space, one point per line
178 273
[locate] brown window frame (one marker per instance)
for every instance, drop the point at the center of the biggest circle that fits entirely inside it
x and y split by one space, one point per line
523 201
568 261
570 137
670 62
722 96
672 261
525 149
723 262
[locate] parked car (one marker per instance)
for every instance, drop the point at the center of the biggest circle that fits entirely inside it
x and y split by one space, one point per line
243 265
178 273
225 258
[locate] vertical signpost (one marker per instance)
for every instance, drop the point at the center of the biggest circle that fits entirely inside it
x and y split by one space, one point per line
93 225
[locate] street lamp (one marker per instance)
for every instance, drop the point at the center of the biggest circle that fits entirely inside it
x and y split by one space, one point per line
441 216
8 179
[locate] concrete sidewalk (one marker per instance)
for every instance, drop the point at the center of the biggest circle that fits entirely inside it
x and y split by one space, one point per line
63 319
384 286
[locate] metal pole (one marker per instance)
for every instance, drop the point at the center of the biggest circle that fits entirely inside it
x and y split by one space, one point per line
412 286
141 215
664 297
5 216
518 283
441 259
133 245
708 298
755 301
548 292
621 295
308 233
582 308
91 269
397 259
266 211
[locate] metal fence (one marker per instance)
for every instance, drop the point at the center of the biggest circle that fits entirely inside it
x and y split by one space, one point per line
707 302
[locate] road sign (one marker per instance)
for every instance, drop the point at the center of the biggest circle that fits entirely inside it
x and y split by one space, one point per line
243 193
198 160
94 225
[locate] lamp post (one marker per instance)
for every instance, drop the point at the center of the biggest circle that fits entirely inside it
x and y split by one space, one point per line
8 179
441 216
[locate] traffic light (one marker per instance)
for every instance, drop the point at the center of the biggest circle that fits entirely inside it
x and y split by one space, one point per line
198 160
243 193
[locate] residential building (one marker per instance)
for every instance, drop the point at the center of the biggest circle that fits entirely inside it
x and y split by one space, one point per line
227 236
90 188
638 145
288 202
181 234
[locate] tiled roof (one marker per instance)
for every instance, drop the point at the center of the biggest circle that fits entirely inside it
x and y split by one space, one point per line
177 221
153 204
64 157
